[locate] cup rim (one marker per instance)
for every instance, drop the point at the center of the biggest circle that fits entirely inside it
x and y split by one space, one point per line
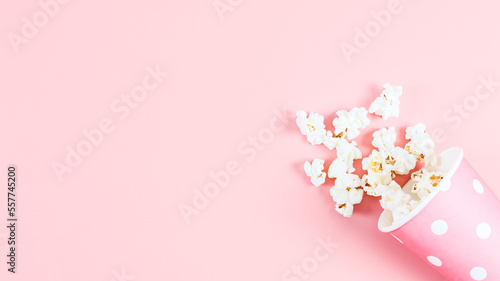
445 182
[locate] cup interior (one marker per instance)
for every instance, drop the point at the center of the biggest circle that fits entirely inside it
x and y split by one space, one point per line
447 162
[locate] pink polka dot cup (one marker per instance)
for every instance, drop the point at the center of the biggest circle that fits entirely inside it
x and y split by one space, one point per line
456 230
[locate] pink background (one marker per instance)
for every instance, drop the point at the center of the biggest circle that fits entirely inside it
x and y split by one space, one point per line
118 211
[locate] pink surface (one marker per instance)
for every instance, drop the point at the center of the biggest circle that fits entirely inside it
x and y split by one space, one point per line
116 215
458 231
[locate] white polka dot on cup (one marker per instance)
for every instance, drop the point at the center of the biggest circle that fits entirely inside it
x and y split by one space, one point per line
439 227
478 273
478 187
435 261
483 230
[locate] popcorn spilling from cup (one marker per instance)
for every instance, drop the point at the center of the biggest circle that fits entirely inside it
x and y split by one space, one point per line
383 164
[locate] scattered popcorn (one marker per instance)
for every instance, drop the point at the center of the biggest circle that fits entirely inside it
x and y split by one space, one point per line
387 105
313 127
345 209
426 182
348 151
315 171
350 122
345 194
415 130
397 201
375 184
350 195
348 181
376 162
380 175
374 190
394 198
332 141
382 165
339 195
355 195
393 186
402 161
338 168
414 204
423 193
421 144
384 139
401 211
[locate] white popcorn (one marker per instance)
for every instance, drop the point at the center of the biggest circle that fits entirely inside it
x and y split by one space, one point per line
423 193
332 141
348 181
355 195
403 210
376 162
402 161
394 197
414 204
426 182
348 152
422 146
346 149
415 130
384 139
394 186
400 212
338 168
374 190
315 171
375 184
381 165
350 122
345 194
421 143
387 105
339 194
345 209
313 127
419 175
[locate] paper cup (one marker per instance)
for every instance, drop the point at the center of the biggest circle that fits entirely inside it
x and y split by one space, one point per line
456 229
